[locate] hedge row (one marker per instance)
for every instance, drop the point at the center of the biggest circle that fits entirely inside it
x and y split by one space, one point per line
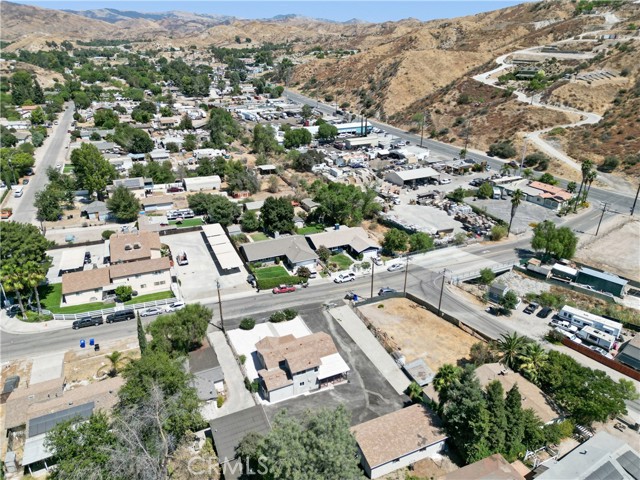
269 283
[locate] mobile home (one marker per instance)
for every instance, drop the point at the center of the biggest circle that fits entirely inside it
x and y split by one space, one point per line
596 337
582 319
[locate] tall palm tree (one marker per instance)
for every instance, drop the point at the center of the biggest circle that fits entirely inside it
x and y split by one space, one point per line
447 374
586 167
516 200
116 363
590 178
510 347
532 360
34 276
13 281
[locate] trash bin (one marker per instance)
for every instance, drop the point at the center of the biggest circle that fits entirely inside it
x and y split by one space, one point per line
355 297
82 344
91 341
96 347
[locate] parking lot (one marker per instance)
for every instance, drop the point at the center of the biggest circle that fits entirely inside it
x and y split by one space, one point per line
198 278
526 214
367 394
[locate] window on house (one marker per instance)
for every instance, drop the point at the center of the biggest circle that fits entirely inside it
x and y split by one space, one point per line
144 285
302 384
159 283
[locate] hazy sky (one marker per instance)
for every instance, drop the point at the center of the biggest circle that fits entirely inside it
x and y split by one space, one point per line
370 10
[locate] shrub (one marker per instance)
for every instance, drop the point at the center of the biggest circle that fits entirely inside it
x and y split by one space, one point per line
498 232
243 359
269 283
486 276
277 317
219 401
485 190
247 323
502 150
554 336
289 314
124 293
609 164
106 234
381 305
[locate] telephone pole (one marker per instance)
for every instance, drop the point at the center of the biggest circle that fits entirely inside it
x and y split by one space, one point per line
220 307
444 276
635 200
424 120
604 209
406 274
373 269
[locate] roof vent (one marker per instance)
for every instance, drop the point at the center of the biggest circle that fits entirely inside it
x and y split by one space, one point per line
128 247
137 246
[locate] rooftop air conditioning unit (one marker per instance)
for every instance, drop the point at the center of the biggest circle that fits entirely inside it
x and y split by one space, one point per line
128 247
137 246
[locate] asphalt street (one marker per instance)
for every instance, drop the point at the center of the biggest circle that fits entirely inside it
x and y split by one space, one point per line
51 153
618 201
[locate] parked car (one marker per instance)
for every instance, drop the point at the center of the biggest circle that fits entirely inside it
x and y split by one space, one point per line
395 267
25 181
151 311
175 306
87 322
251 279
121 316
284 289
13 310
601 351
544 313
87 257
532 307
445 181
174 190
377 261
386 290
345 277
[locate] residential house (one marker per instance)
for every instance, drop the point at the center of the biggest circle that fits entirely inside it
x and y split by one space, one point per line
532 396
134 183
398 439
154 203
548 196
309 205
494 467
208 378
291 366
22 137
159 155
355 241
601 457
266 169
84 286
97 211
253 206
294 251
130 247
168 122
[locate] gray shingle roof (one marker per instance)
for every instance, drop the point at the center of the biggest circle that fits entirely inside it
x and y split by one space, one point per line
229 430
295 248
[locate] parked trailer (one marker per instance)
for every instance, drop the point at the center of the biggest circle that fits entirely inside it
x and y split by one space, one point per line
583 319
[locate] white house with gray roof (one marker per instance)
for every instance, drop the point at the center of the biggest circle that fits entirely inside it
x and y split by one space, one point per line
292 250
355 241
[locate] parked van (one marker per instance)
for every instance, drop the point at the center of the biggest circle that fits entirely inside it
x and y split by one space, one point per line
121 316
18 192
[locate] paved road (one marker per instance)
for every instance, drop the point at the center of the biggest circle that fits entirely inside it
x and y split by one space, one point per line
622 201
53 151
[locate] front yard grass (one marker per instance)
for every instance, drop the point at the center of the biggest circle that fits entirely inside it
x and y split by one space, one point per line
310 229
51 296
276 271
342 260
187 222
258 237
150 297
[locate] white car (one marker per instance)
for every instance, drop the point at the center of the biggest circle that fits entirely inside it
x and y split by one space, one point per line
151 311
395 267
445 181
174 307
58 166
345 277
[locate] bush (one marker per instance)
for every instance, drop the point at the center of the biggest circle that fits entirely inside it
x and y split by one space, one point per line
554 336
247 323
219 401
124 293
498 232
485 190
486 276
609 164
290 314
277 317
243 359
502 150
251 386
106 234
269 283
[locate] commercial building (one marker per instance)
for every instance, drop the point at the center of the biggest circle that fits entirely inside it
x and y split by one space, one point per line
353 128
357 142
353 240
293 250
398 439
197 184
417 176
549 196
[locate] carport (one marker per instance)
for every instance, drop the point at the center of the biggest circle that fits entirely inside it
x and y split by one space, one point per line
219 245
416 176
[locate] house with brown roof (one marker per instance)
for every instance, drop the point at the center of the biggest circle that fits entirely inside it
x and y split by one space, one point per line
548 196
398 439
494 467
85 286
131 247
291 366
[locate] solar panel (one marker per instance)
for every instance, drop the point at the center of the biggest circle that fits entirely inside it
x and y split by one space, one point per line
43 424
606 472
631 463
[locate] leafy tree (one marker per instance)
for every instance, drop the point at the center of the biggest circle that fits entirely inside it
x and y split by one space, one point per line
414 391
132 139
81 448
343 204
458 195
274 184
91 169
420 242
585 168
190 142
327 132
48 204
548 179
242 180
205 167
38 117
304 162
307 111
290 449
395 240
558 242
223 128
218 209
124 204
105 118
95 137
485 190
516 200
514 433
571 187
7 138
264 139
498 423
182 331
534 159
297 137
323 253
502 150
81 100
124 293
510 347
185 123
142 337
276 215
487 276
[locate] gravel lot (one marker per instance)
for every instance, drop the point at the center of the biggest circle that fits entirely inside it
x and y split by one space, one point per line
527 213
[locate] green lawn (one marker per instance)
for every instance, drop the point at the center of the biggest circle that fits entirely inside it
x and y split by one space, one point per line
270 272
310 229
150 298
342 260
68 169
51 296
187 222
258 237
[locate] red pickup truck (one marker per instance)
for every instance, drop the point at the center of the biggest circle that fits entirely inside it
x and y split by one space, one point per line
284 289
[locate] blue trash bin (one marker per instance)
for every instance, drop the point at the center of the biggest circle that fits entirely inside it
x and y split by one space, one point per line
355 297
91 341
82 344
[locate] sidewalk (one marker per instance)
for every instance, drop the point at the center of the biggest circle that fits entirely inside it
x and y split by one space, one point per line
365 340
18 327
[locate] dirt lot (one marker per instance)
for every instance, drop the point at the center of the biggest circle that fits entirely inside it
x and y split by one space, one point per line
420 334
622 236
83 366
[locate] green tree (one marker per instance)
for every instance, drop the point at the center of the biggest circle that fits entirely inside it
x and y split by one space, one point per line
395 240
327 132
307 111
414 391
323 253
548 179
485 190
35 273
498 232
182 331
223 128
117 361
571 187
106 118
502 150
190 142
516 200
48 204
585 168
124 293
532 361
264 139
487 276
91 169
242 180
38 117
558 242
343 204
276 215
142 337
123 204
510 347
304 162
185 123
420 242
444 379
514 434
7 138
218 209
498 423
297 137
481 353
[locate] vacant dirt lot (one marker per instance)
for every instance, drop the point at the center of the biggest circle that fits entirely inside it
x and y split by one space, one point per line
82 366
420 334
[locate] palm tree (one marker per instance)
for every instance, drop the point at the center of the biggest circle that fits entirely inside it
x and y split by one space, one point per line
510 348
516 200
527 173
586 167
33 278
13 281
447 374
116 363
415 392
590 178
505 169
532 360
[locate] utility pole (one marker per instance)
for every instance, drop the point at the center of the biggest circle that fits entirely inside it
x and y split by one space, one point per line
444 276
373 269
635 200
524 152
604 209
406 274
466 137
220 307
